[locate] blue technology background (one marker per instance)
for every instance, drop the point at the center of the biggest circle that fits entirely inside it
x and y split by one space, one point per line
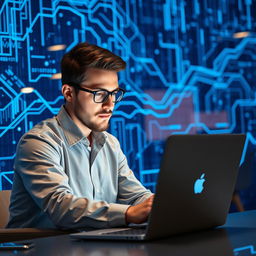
191 68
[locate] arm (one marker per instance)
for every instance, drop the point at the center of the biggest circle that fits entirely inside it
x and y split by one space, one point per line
132 192
130 189
38 163
140 212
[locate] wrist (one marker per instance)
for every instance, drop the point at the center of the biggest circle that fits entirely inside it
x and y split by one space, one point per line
127 215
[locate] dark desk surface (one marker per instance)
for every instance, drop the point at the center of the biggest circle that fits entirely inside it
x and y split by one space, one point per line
236 237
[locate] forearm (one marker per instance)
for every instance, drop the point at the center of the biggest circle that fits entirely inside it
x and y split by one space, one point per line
70 212
54 196
143 197
48 184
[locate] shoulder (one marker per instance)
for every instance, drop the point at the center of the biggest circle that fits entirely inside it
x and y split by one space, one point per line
39 146
45 132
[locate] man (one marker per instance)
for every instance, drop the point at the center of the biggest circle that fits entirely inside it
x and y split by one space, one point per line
69 172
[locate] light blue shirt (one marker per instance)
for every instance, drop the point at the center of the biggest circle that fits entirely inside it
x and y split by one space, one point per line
60 182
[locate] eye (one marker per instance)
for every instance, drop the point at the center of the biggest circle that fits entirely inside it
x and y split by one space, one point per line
100 96
101 93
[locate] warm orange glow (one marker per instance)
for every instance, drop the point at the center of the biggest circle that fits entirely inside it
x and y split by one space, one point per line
57 47
241 34
56 76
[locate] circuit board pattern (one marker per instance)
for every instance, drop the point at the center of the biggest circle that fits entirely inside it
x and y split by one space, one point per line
190 69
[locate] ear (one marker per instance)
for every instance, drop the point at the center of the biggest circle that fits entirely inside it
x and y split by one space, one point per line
68 92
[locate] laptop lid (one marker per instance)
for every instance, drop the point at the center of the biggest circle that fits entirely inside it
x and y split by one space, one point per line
195 184
194 189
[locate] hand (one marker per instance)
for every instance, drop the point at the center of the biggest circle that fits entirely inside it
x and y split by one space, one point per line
139 213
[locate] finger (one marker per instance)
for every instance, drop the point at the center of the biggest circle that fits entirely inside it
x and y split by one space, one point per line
151 198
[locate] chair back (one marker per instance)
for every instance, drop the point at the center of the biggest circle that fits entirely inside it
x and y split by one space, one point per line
4 207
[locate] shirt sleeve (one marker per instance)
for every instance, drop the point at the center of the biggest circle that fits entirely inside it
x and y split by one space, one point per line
38 163
131 191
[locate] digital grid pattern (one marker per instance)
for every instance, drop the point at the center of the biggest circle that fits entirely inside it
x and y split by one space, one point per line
190 69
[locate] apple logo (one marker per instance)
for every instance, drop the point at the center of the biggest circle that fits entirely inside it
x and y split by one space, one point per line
198 186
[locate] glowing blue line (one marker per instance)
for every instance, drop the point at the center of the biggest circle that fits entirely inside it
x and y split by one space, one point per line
174 7
183 18
38 56
158 105
228 54
167 15
221 125
248 247
75 41
150 171
178 55
149 111
203 70
197 7
97 21
10 103
165 127
145 61
201 36
7 178
5 173
9 88
8 157
41 24
23 114
248 14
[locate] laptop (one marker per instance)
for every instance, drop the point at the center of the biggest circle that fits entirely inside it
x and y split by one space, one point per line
194 189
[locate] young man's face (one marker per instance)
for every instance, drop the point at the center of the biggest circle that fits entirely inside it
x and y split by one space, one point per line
82 108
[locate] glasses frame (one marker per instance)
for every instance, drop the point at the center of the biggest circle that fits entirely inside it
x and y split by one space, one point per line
95 92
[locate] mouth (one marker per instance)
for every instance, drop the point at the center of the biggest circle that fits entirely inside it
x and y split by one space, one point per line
104 115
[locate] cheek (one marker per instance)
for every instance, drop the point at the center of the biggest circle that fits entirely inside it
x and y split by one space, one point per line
82 102
87 108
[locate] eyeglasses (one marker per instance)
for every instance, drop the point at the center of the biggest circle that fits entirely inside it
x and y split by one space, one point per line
101 95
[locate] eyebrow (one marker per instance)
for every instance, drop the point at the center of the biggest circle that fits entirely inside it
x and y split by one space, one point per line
96 87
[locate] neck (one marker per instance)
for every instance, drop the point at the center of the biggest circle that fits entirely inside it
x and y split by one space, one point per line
90 139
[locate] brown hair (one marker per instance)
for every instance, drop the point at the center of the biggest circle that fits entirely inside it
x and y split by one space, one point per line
75 63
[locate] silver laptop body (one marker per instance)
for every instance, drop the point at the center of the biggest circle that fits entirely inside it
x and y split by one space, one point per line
194 189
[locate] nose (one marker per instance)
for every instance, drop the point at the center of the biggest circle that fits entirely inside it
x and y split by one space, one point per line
109 102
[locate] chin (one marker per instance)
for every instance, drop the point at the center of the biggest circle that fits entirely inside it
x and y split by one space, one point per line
100 128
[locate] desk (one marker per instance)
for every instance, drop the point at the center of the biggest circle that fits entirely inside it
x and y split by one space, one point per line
236 237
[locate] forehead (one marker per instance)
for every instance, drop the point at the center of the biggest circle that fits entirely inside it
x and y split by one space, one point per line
100 78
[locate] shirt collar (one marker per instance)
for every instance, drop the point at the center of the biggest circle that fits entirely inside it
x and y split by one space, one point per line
72 133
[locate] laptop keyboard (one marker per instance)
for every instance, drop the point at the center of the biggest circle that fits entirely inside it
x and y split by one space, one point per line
132 231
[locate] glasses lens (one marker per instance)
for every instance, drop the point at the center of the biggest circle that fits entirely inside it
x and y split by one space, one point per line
100 96
117 95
